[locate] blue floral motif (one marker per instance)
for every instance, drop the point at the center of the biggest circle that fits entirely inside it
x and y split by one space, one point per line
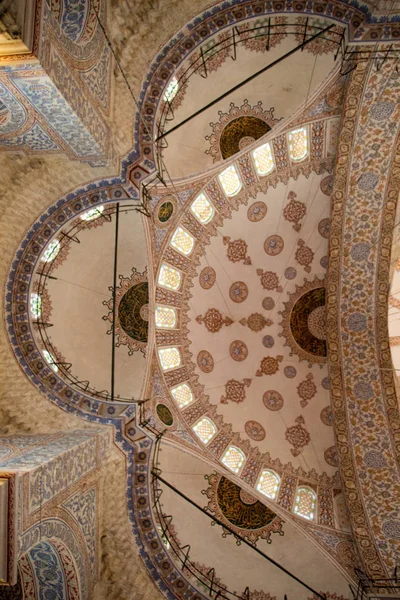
17 111
35 139
49 572
74 17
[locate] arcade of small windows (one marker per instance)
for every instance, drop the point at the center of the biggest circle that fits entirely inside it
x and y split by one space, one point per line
182 394
49 358
263 159
170 358
36 306
169 277
268 484
202 209
233 459
165 317
172 90
230 181
182 241
92 213
205 430
298 143
305 503
51 251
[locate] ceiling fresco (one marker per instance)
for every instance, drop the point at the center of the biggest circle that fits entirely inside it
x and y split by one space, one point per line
232 328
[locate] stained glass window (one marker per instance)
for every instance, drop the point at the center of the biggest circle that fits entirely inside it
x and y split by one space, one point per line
205 429
268 484
50 359
298 144
202 209
233 459
263 159
230 181
170 358
169 277
51 251
305 504
165 317
182 394
93 213
182 241
172 90
163 537
36 305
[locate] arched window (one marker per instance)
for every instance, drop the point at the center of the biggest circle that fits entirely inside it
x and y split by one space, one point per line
51 251
170 358
182 241
298 143
230 181
268 484
182 395
172 90
305 504
163 537
165 317
169 277
263 159
36 305
234 459
49 358
92 213
205 429
202 209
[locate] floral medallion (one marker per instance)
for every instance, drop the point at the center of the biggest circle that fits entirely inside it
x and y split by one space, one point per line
268 303
238 350
205 361
269 365
273 400
207 278
297 436
330 456
294 211
132 300
307 390
273 245
213 320
236 251
235 391
290 273
268 341
240 511
238 292
303 321
290 372
256 322
255 431
304 255
257 211
269 280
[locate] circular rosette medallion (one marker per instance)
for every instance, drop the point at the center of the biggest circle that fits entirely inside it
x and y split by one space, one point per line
205 361
257 211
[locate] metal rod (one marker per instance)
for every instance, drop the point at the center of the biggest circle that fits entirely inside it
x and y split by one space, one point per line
114 302
242 539
244 82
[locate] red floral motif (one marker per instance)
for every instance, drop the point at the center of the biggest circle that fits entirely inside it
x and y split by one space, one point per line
255 430
238 292
205 361
269 365
213 320
331 457
257 211
298 436
207 278
256 322
273 245
237 250
306 390
238 350
273 400
235 391
269 280
304 255
294 211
